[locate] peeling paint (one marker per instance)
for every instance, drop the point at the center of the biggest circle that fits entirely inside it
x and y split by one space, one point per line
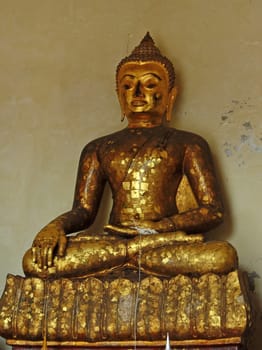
252 276
248 125
240 134
249 141
243 138
228 149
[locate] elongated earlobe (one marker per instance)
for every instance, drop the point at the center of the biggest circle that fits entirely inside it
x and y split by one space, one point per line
171 102
123 115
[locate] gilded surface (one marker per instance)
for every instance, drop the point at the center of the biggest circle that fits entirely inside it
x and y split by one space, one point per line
165 198
205 307
165 191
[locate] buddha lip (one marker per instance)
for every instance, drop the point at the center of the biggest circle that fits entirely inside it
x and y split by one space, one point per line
138 103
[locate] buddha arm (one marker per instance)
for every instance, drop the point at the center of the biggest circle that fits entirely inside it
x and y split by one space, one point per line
89 185
88 192
198 167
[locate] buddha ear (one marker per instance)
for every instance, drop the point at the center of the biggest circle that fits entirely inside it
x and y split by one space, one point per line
121 106
171 101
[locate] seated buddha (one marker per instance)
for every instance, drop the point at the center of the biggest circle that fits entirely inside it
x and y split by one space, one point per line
144 164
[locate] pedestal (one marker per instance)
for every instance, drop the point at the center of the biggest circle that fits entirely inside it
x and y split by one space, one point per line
222 347
206 312
198 344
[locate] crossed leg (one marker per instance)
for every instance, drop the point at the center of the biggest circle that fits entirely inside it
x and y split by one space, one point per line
166 254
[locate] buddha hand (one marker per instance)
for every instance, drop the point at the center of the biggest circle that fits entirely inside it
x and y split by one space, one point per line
50 241
134 228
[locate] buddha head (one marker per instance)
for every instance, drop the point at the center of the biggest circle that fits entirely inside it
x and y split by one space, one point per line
146 83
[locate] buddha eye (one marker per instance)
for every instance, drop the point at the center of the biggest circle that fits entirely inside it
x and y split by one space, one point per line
127 86
151 86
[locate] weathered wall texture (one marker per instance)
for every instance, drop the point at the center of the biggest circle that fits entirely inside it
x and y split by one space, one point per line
57 68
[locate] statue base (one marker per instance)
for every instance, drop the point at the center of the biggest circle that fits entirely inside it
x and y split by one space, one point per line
209 311
219 344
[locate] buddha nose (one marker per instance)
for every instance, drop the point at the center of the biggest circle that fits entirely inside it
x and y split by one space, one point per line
138 91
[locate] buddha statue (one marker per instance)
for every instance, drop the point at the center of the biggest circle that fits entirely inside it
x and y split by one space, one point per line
144 164
151 272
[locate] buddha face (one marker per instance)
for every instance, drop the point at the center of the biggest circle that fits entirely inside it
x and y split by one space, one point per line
143 91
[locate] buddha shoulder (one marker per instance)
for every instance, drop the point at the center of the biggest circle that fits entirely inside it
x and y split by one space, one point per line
99 145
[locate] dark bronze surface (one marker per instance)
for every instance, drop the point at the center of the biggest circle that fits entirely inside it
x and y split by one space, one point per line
165 198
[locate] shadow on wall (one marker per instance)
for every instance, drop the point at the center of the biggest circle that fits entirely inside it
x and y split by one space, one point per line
255 341
3 345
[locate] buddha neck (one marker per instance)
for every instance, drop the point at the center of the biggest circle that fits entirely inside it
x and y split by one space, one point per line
144 120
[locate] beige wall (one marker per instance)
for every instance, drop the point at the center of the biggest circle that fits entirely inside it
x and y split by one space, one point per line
57 65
